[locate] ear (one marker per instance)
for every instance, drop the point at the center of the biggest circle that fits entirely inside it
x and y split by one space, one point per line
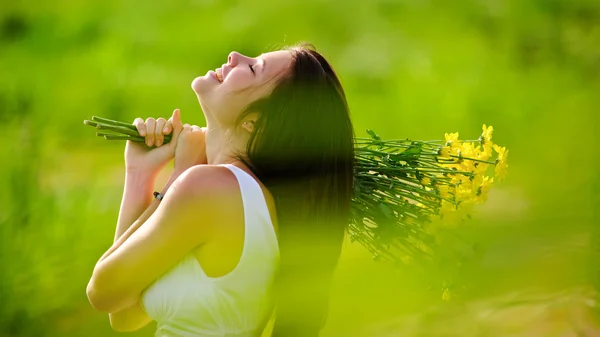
248 125
249 121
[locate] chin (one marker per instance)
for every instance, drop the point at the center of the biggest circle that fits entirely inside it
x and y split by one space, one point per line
201 84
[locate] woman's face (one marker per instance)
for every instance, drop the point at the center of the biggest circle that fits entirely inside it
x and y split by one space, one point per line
226 91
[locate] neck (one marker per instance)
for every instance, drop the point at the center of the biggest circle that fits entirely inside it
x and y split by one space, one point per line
222 145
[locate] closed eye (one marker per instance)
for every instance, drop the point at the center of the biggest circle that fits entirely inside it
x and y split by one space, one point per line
251 69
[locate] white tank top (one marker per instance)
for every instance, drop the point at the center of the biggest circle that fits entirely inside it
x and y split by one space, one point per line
185 302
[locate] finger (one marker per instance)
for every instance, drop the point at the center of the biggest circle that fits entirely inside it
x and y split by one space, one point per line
168 126
185 131
176 123
140 126
196 128
158 131
150 125
186 128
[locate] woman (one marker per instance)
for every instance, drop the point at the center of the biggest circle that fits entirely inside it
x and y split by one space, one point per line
254 214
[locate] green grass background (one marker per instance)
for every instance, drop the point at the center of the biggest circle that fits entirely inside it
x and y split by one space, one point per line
410 68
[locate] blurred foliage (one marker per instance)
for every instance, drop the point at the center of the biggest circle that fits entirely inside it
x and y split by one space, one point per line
410 68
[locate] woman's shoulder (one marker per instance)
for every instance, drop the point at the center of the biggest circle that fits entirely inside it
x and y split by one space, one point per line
201 190
205 180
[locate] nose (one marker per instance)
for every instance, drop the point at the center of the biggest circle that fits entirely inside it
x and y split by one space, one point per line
235 58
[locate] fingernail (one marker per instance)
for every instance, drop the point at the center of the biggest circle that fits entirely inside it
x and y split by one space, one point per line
142 133
149 142
158 143
165 130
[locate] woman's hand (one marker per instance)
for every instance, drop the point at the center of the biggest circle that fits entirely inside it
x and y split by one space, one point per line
151 157
191 148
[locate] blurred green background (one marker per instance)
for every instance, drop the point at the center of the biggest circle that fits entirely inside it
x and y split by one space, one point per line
410 68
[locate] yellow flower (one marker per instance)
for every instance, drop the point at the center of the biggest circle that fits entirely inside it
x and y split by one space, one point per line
483 189
486 136
444 190
501 165
465 152
445 152
467 165
452 139
426 181
461 180
480 168
464 192
468 150
485 154
477 180
502 152
501 170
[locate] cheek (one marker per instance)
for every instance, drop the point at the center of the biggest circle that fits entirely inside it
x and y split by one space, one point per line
226 101
236 82
236 91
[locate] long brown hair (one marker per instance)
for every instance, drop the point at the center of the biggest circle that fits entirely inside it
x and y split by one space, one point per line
302 150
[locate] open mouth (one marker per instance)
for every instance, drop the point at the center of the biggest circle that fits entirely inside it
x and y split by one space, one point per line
219 73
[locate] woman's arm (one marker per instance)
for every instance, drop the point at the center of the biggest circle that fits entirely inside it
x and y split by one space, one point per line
137 193
137 196
129 230
131 319
150 248
143 162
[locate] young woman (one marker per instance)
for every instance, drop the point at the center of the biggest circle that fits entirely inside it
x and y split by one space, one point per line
253 217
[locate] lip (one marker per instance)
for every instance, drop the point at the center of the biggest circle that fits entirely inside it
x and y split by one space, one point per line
214 76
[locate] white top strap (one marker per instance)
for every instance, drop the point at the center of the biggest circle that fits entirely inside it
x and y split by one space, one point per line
259 226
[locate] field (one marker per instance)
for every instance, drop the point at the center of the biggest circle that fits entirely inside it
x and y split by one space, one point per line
410 68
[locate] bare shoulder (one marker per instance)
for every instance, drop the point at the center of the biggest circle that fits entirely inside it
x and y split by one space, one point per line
203 195
204 180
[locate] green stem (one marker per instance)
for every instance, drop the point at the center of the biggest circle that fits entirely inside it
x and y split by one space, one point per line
90 123
113 122
119 129
473 159
124 137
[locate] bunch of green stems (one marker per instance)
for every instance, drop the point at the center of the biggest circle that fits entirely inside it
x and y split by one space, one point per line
397 194
114 130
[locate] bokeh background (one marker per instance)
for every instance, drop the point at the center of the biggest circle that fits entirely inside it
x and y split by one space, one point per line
410 68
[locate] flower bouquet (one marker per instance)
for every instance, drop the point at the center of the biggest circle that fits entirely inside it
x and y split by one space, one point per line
405 191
